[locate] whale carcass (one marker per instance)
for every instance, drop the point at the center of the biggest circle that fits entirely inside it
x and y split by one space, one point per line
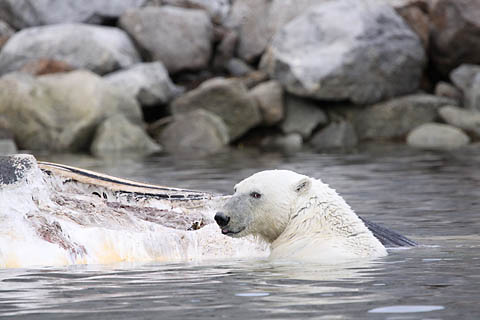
53 214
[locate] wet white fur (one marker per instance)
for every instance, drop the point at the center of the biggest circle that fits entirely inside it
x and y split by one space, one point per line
301 217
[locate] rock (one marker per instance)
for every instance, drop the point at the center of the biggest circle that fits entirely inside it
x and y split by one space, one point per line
437 136
60 112
472 96
467 120
217 9
225 50
444 89
5 33
249 18
269 96
336 135
97 48
372 57
290 142
254 78
117 134
415 14
302 116
17 170
455 26
7 146
258 20
5 131
30 13
148 82
196 132
46 66
237 68
464 75
396 117
228 99
180 38
467 78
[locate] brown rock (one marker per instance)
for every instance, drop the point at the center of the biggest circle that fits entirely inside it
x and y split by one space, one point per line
455 33
46 66
417 19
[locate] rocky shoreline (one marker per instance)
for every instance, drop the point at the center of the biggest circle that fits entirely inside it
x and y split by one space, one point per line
193 76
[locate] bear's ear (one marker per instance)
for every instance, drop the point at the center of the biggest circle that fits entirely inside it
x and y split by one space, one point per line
303 185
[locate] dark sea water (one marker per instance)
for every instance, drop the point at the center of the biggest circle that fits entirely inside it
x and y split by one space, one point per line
433 198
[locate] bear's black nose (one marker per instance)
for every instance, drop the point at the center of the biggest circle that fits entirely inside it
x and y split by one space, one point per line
221 219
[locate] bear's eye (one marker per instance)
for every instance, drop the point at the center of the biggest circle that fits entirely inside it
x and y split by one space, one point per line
255 195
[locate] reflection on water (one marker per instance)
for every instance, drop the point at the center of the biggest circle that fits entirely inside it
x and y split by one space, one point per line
432 197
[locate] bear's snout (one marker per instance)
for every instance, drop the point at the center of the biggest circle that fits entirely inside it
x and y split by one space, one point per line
221 219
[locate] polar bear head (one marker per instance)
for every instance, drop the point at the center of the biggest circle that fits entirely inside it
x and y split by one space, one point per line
263 204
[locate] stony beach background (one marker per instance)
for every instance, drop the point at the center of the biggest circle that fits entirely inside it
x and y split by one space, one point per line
193 76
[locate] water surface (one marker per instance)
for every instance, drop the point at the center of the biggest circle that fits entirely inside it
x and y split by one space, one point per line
431 197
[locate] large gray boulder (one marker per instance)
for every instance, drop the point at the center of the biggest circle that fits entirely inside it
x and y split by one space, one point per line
467 120
302 116
60 112
467 78
30 13
180 38
396 117
357 50
269 96
148 82
99 49
228 99
437 136
217 9
340 135
196 132
117 134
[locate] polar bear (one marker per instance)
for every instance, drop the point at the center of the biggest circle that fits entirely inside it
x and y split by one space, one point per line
301 217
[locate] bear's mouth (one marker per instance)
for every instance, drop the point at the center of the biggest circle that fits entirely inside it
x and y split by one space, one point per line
228 232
